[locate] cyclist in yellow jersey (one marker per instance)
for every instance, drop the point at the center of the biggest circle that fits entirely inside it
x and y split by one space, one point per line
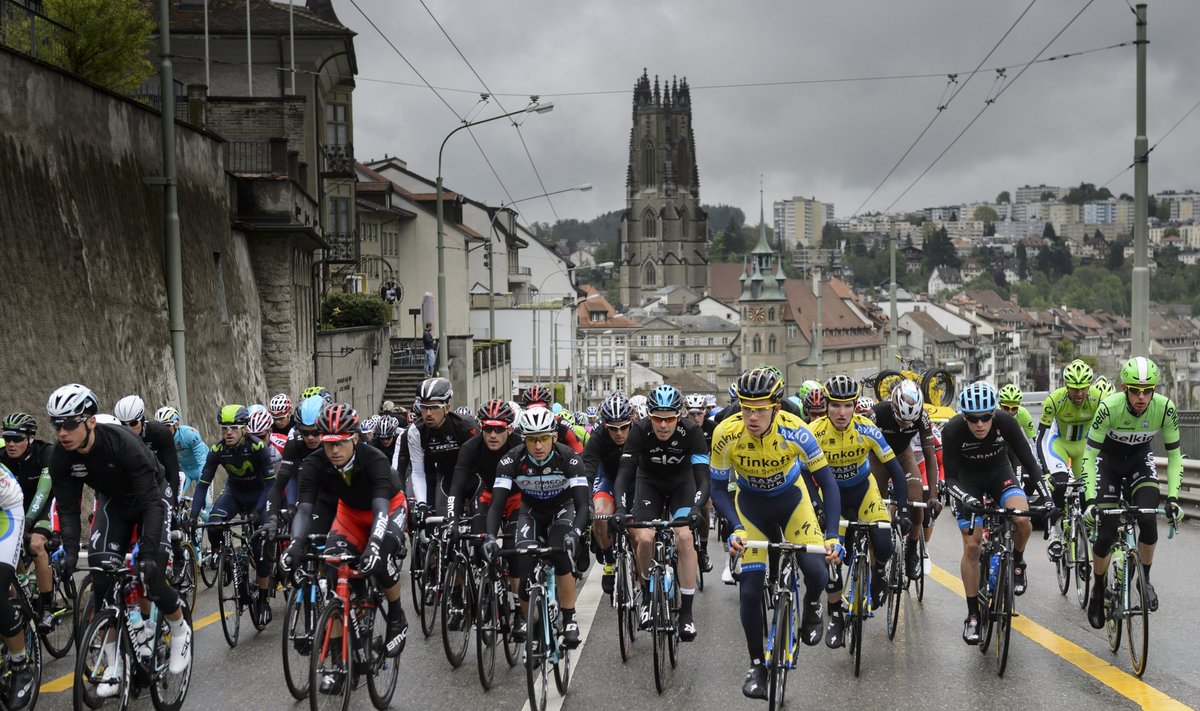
848 440
765 451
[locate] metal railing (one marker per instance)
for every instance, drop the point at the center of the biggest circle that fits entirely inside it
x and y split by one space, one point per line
248 156
23 28
408 352
342 245
514 269
338 159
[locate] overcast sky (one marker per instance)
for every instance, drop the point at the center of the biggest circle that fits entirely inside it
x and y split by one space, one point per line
1060 123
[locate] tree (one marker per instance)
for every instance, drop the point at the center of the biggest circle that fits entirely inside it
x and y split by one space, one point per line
1003 198
985 213
1022 262
109 41
1151 207
1116 257
939 250
831 236
1048 196
1048 231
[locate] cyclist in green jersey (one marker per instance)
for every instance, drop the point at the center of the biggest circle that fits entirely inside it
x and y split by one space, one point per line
1010 402
1061 438
1119 465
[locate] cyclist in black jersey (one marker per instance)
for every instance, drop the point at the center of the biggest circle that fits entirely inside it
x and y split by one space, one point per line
247 464
29 461
554 509
975 446
601 461
433 445
670 459
475 473
131 490
697 412
131 411
284 489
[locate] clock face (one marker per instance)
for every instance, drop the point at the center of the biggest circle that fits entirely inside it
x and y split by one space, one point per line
758 314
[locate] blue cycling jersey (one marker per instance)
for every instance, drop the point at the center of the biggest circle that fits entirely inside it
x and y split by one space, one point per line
192 451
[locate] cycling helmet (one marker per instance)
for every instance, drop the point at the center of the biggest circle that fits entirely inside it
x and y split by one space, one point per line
907 401
463 410
978 397
280 406
616 408
759 384
167 415
807 387
129 409
641 412
103 418
1103 387
841 388
815 403
580 417
70 400
260 422
636 400
367 426
665 398
388 427
21 424
556 409
1140 372
865 406
1010 394
536 395
319 391
496 413
592 412
1077 374
537 420
256 408
567 417
233 415
337 422
733 391
796 401
435 391
310 410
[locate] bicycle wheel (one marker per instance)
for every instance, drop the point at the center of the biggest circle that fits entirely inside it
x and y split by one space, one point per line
61 635
250 575
509 615
431 585
382 672
83 609
34 657
673 621
626 611
183 572
416 574
456 607
1114 604
487 632
1083 563
208 567
895 583
1064 567
536 674
1137 617
229 594
299 621
859 586
1003 606
924 556
167 690
884 382
330 667
938 386
986 620
562 661
658 628
96 656
783 636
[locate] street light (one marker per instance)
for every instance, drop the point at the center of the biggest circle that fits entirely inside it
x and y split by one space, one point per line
533 311
491 257
443 339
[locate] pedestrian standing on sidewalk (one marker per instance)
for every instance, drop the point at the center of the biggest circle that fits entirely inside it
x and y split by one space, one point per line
430 349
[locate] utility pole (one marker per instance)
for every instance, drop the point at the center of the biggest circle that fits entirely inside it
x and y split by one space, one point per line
1140 325
893 339
818 336
174 247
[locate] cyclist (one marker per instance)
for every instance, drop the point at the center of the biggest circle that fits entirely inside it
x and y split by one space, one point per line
601 461
12 509
764 451
865 406
385 435
905 422
190 449
28 459
131 490
366 430
975 446
284 486
280 409
848 441
260 427
697 412
1010 401
735 405
1118 465
247 463
536 395
592 413
370 516
553 510
1062 434
670 459
434 443
131 411
815 405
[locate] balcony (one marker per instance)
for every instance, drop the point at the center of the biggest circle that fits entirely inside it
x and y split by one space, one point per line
519 275
342 245
337 160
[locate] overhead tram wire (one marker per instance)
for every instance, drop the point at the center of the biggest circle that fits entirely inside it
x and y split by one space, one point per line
1160 140
488 89
988 103
943 105
437 94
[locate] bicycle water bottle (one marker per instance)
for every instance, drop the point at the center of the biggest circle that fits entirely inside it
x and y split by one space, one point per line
993 569
669 581
1119 564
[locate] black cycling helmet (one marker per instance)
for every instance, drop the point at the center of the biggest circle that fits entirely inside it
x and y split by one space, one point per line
19 423
841 388
496 413
616 408
759 384
536 395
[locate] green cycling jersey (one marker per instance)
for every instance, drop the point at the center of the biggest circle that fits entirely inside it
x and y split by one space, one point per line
1117 433
1025 420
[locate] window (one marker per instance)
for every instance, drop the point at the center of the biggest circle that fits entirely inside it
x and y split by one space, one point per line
724 340
658 340
339 215
791 332
648 164
643 341
651 275
620 382
591 360
671 360
658 360
596 316
337 124
712 358
771 314
710 340
771 344
620 359
670 341
757 344
604 340
619 341
696 359
606 359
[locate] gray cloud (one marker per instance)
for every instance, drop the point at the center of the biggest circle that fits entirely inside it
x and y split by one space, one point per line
1063 122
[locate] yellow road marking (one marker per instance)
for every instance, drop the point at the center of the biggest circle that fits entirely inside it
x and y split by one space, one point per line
67 681
1114 678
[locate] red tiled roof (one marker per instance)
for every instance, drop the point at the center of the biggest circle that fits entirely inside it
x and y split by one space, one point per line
599 303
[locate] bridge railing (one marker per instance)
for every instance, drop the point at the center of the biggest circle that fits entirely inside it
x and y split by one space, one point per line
1189 491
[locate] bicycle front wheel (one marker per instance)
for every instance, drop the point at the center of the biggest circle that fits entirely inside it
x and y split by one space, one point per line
34 658
330 666
1137 617
895 582
96 659
184 572
924 556
168 690
1064 567
1003 605
782 653
431 585
537 677
416 574
1083 562
299 621
84 608
382 671
61 635
659 622
487 632
456 612
626 609
859 586
229 594
1114 603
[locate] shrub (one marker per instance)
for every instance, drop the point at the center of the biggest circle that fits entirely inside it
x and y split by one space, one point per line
341 310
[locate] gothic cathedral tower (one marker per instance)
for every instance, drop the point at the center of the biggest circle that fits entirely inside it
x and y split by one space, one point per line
664 233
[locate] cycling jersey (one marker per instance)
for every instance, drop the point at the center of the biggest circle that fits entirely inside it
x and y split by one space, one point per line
848 453
1025 420
919 455
190 450
1062 430
161 442
278 437
366 477
567 435
434 452
247 464
475 473
1123 438
974 467
601 461
32 472
293 454
544 487
680 461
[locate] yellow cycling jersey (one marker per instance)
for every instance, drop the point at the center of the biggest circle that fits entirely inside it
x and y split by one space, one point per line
847 451
770 464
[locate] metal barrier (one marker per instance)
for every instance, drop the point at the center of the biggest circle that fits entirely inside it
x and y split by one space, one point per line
1189 490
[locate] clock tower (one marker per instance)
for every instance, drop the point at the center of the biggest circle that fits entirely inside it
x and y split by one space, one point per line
763 304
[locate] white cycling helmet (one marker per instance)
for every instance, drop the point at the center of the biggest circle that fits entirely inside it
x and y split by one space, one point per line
70 400
260 422
167 415
537 420
907 401
368 425
280 405
129 409
103 418
695 402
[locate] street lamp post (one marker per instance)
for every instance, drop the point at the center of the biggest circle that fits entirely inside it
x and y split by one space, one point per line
492 258
443 338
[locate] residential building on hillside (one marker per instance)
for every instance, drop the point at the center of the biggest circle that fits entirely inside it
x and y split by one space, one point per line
1100 211
944 279
798 222
699 344
602 356
1034 193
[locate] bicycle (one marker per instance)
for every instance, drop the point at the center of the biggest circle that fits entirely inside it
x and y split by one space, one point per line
783 634
59 636
497 610
20 596
349 642
305 598
235 566
1074 557
1123 601
996 594
113 641
936 384
425 572
461 581
897 576
664 596
857 597
206 560
183 565
627 593
543 624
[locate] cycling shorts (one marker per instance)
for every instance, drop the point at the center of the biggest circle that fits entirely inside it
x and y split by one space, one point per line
1118 479
788 516
1065 455
653 497
510 506
863 503
1000 485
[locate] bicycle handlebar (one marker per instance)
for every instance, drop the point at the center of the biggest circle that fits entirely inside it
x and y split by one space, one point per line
864 524
911 504
785 546
658 523
225 524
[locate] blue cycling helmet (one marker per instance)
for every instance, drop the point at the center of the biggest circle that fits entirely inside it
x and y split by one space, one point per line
664 398
556 408
978 397
310 409
591 411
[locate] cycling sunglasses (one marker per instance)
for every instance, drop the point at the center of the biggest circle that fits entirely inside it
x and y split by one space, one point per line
310 433
494 429
1135 390
13 439
70 424
975 419
618 428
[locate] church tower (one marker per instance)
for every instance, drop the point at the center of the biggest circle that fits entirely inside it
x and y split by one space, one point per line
664 233
763 304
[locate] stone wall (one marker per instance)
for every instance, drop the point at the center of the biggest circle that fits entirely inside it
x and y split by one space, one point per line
84 292
353 364
242 118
